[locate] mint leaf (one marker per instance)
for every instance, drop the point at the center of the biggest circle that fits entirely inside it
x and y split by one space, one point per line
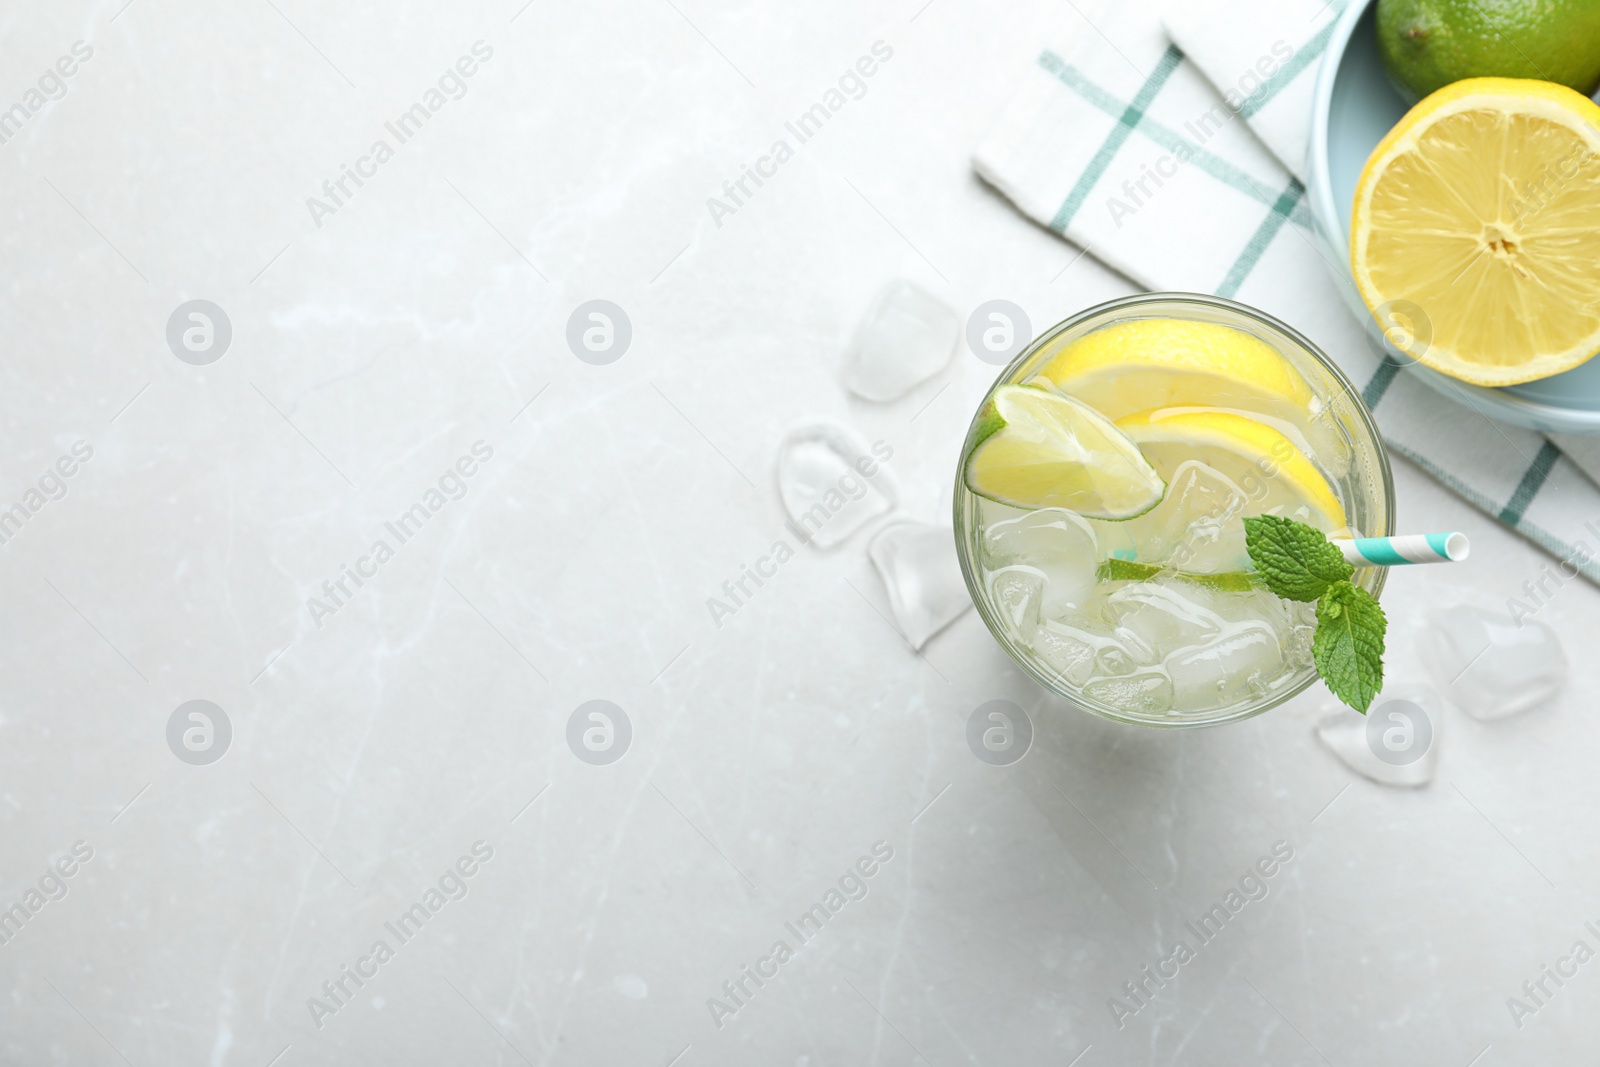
1295 560
1348 646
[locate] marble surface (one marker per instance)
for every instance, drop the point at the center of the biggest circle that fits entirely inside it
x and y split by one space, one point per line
415 728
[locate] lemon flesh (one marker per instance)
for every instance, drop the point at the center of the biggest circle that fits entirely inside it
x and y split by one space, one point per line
1275 476
1034 448
1151 363
1482 209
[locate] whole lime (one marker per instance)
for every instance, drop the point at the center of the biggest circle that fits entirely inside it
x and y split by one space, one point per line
1427 44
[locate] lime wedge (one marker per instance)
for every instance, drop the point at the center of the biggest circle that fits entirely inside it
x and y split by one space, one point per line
1034 448
1127 570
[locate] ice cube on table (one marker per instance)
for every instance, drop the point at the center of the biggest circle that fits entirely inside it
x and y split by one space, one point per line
1165 615
1017 591
905 338
1395 743
1236 664
1059 545
1146 692
830 484
1490 665
1197 526
920 572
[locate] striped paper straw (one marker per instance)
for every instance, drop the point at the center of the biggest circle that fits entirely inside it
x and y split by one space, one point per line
1411 548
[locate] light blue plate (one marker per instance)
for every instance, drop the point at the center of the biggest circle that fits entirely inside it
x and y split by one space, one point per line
1355 108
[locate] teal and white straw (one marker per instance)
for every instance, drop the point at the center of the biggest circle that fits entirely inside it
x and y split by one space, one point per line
1411 548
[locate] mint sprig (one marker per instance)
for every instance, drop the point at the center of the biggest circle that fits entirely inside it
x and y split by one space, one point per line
1348 644
1297 562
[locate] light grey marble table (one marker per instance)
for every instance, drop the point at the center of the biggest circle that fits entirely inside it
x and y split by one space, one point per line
395 767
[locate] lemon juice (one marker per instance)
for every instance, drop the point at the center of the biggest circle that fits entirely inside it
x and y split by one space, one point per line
1102 493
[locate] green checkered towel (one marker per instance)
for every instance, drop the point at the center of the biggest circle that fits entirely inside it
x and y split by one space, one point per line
1121 144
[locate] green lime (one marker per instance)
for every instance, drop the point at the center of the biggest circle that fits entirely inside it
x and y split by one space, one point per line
1427 44
1035 448
1127 570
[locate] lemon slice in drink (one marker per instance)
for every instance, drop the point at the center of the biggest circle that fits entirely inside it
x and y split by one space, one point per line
1154 363
1276 477
1034 448
1482 208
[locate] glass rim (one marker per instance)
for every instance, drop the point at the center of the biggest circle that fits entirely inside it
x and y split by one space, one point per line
1384 473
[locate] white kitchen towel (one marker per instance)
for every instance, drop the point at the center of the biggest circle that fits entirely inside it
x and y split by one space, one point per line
1262 56
1118 143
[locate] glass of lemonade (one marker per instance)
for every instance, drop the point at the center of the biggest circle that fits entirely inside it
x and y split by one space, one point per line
1101 494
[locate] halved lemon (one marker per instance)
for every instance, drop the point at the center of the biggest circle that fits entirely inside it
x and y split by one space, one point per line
1276 477
1482 209
1153 363
1034 448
